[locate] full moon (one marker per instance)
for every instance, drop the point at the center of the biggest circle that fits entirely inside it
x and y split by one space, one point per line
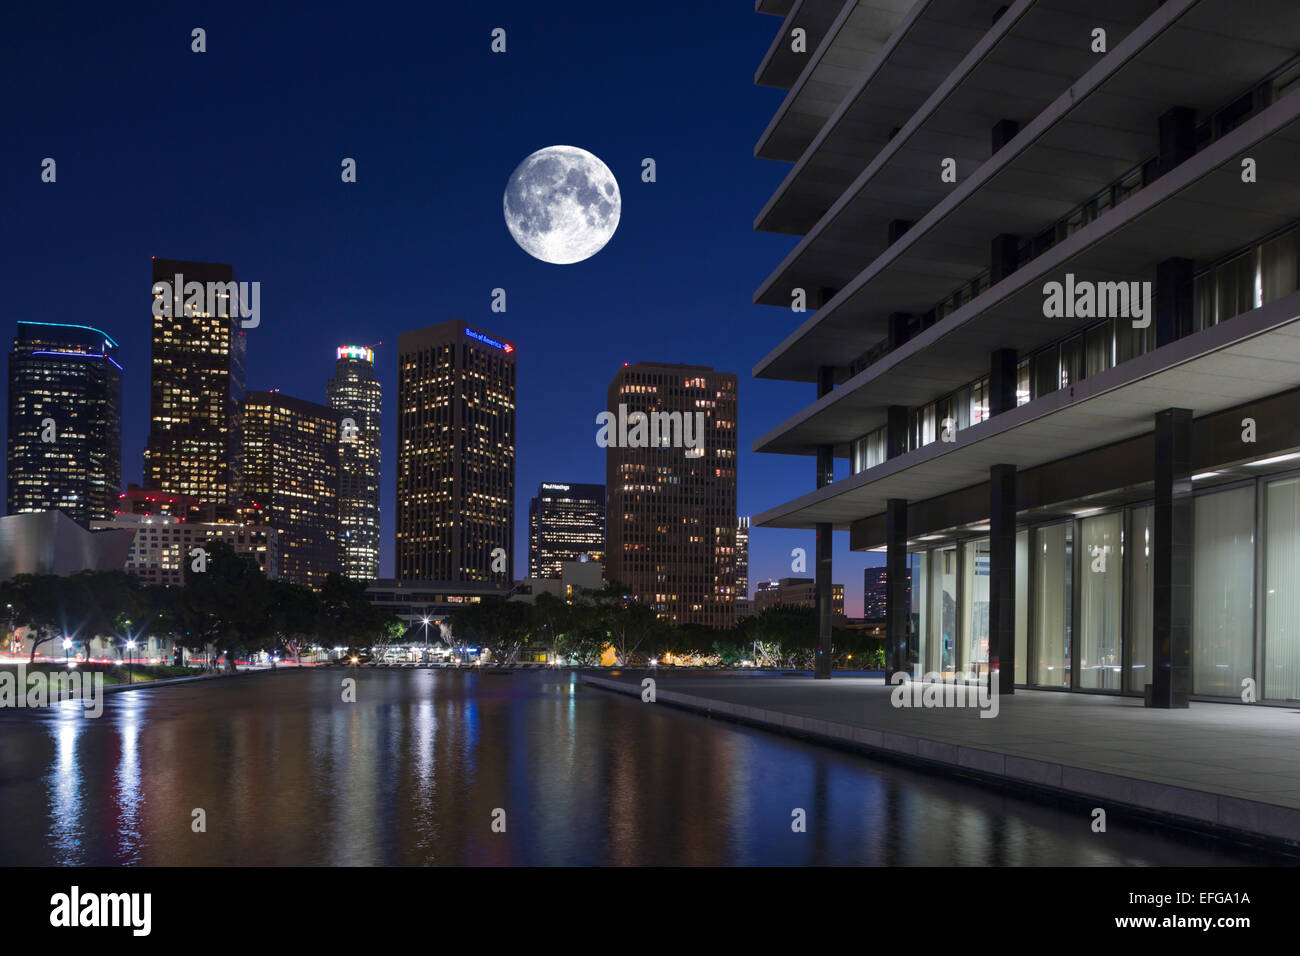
562 204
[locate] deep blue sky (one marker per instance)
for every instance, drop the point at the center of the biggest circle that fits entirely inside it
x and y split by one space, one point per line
234 156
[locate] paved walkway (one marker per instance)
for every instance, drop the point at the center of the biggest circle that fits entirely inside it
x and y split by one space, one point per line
1232 766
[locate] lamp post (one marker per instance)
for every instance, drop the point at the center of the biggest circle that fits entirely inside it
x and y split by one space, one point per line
67 651
130 646
425 622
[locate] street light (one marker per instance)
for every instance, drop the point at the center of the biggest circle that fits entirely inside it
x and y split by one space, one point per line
130 646
425 622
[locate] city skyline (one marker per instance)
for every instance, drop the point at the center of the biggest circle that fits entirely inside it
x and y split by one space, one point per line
419 237
718 435
349 393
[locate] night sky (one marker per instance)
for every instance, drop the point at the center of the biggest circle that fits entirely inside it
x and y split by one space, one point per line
234 156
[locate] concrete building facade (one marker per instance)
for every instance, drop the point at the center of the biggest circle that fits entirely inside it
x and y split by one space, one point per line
1053 328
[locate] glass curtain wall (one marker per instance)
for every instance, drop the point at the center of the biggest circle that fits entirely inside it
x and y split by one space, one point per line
1053 584
943 610
975 607
920 610
1137 562
1101 597
1282 590
1223 596
1022 607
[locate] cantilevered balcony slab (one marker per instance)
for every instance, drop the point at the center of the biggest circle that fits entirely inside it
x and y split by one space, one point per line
1014 72
928 45
924 49
1246 358
1060 158
1092 133
781 65
842 37
1199 210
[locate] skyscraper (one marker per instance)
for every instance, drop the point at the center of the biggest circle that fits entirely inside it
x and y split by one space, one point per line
743 604
566 522
291 460
355 392
874 594
455 455
197 384
65 421
672 503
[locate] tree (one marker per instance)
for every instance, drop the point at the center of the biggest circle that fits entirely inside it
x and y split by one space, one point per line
629 625
227 604
43 604
585 640
295 613
789 631
348 618
552 617
497 625
114 605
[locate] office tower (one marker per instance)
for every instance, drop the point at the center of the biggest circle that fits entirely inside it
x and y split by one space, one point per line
355 392
794 592
744 604
168 527
455 455
670 467
873 594
1065 390
566 522
196 383
65 421
742 557
291 474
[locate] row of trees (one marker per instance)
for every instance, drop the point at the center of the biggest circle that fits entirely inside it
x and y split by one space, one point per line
580 633
233 607
230 605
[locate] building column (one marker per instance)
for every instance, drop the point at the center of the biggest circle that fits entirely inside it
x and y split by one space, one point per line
1171 560
1002 578
896 228
1174 300
1003 132
897 329
1004 254
895 431
1002 381
822 547
898 616
1177 137
825 607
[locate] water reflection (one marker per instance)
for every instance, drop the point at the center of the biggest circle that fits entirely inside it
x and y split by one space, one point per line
64 784
127 792
285 772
